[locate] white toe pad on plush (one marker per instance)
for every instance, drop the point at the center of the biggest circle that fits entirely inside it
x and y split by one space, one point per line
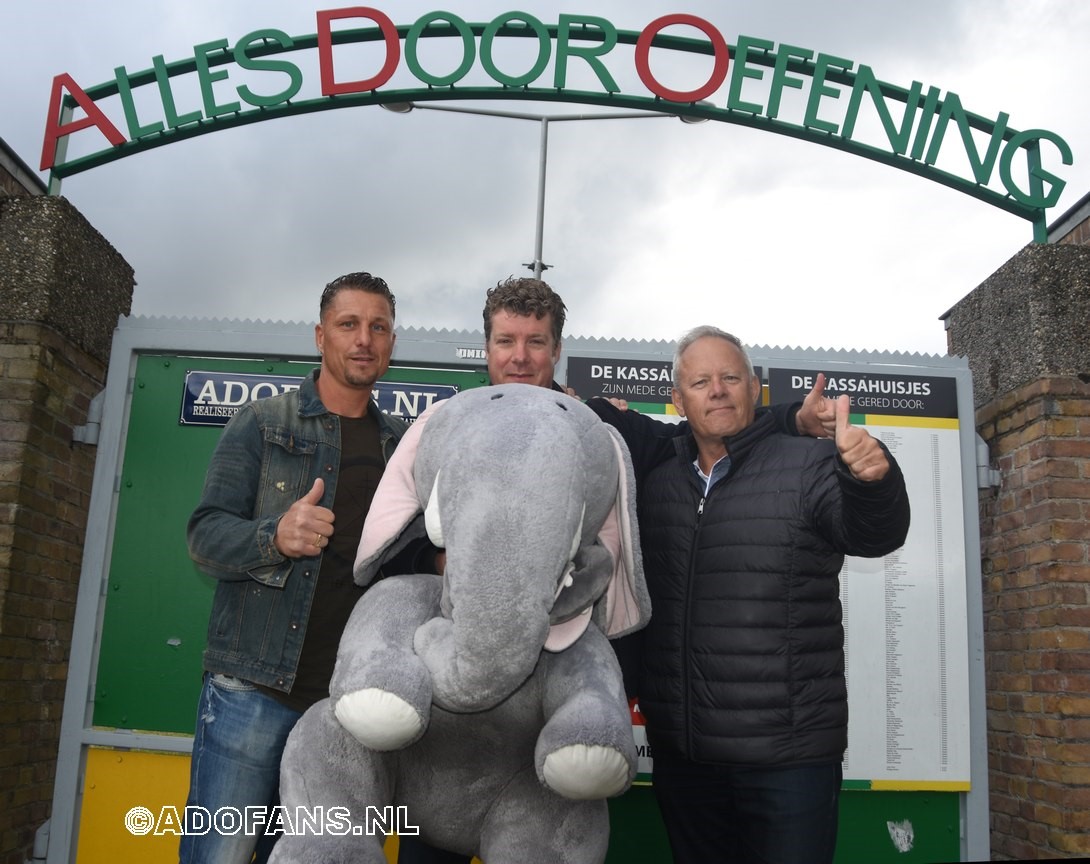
586 772
378 719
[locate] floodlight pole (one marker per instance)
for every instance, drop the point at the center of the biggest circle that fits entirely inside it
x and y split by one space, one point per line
538 266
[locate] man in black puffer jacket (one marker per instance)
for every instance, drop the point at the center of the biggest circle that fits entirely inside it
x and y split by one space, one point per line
744 532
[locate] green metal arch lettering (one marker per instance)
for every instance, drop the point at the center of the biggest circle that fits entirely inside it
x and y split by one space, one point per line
544 52
1038 176
412 40
564 49
914 138
243 58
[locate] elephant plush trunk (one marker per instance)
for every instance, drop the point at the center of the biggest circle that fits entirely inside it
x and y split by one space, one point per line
492 639
510 509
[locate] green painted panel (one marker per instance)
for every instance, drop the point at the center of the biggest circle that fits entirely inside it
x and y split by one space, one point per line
865 832
636 832
873 823
157 603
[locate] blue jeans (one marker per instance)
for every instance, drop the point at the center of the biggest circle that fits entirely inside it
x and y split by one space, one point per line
756 815
237 745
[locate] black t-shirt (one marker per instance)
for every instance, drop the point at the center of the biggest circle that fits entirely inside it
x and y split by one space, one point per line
336 594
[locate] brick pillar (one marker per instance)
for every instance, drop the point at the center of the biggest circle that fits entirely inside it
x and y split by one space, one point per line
62 288
1026 332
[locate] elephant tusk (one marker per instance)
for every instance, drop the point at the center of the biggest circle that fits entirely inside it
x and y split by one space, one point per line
432 522
566 581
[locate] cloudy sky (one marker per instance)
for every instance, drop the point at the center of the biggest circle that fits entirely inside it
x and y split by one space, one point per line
651 226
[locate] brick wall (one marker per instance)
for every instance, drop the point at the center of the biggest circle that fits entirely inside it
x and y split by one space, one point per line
1080 236
16 177
1036 570
62 287
10 186
1025 332
45 480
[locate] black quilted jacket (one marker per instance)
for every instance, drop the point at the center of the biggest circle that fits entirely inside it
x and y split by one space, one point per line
743 661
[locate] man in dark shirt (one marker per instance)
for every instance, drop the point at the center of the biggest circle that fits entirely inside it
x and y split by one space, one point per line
279 520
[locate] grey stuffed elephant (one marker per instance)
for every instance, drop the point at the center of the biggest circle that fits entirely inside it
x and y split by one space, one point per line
487 704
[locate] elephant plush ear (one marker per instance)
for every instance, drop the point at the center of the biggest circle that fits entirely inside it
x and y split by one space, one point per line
626 606
395 518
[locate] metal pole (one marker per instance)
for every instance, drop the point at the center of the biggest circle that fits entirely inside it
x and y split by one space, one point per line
539 265
1037 189
60 152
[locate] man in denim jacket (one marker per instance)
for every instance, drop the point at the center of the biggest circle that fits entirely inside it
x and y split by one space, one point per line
278 524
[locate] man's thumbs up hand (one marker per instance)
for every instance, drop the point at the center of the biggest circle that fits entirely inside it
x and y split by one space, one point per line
306 528
860 452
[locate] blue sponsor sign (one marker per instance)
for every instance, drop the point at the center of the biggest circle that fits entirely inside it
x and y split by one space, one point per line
407 400
213 398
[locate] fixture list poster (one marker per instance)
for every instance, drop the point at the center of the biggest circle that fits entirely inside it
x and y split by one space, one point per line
906 637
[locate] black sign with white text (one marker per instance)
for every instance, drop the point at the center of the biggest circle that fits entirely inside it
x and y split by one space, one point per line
897 395
645 381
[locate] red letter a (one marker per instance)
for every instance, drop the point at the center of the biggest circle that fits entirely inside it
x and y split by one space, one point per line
54 130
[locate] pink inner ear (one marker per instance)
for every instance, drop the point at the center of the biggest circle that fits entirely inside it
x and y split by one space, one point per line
395 502
563 635
622 606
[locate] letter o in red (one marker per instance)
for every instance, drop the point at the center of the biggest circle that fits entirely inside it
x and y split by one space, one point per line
720 50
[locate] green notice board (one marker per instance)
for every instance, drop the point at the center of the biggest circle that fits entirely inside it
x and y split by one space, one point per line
157 603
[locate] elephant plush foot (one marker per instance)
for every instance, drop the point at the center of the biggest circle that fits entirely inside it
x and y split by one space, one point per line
585 750
378 719
585 772
381 691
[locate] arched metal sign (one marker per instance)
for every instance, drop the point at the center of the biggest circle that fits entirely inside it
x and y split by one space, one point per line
757 83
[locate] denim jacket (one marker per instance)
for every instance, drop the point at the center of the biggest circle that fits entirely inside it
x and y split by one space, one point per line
267 458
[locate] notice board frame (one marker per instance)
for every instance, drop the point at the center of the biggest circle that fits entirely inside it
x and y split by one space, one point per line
454 350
